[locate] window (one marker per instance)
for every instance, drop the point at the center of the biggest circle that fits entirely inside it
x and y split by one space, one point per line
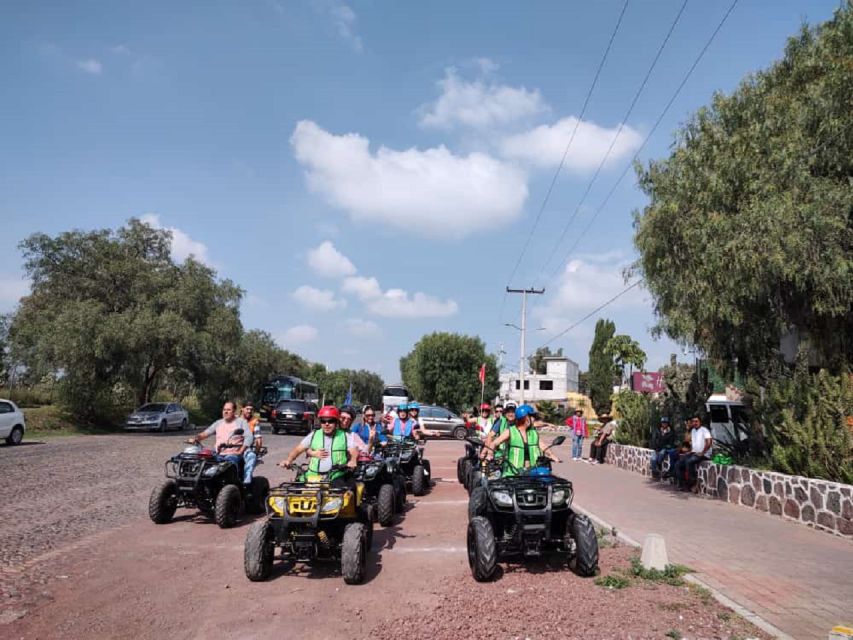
154 407
719 413
518 384
546 385
428 412
5 407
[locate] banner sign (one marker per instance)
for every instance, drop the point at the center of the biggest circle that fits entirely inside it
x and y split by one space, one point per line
647 382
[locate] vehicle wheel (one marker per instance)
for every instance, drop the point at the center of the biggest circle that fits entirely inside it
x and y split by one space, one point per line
163 502
258 551
474 478
482 554
275 431
16 436
260 490
428 473
163 426
585 561
184 424
418 481
400 494
466 471
385 505
460 432
228 504
353 556
478 503
460 468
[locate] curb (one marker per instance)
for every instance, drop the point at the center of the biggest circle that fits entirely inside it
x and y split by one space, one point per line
720 597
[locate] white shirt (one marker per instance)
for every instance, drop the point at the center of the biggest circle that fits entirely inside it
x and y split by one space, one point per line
697 439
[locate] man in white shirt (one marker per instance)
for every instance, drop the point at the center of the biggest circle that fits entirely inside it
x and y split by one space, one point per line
701 448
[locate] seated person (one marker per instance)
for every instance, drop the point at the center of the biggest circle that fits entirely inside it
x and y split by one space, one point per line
233 435
701 447
598 448
371 434
327 446
663 446
403 427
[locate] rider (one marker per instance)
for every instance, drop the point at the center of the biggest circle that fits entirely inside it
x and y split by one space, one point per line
250 457
233 435
484 421
370 433
403 426
524 447
501 424
327 446
414 413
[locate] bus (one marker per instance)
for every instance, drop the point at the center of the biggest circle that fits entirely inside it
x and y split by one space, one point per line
280 388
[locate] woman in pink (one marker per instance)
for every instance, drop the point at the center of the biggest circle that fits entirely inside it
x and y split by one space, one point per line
577 425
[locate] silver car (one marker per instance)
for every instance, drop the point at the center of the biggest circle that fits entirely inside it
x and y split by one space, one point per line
158 416
443 420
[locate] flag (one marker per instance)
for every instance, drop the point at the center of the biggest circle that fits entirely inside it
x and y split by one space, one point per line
482 375
349 395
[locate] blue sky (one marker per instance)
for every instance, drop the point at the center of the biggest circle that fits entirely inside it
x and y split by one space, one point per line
368 172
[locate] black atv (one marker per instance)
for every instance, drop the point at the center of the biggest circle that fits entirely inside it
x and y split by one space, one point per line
199 479
528 516
412 463
311 521
470 461
384 485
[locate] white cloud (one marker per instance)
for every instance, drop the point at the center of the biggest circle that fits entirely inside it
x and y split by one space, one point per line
317 299
344 20
12 289
431 192
479 103
362 328
544 146
329 262
397 303
297 336
91 66
182 245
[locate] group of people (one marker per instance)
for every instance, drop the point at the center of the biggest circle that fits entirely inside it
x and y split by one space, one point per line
579 430
237 438
511 437
683 460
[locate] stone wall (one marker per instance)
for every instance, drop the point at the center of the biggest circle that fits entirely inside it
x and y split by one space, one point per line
817 503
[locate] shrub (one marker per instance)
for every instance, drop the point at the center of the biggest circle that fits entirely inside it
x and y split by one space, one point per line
636 414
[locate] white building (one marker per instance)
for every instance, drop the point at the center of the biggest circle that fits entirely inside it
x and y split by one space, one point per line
560 378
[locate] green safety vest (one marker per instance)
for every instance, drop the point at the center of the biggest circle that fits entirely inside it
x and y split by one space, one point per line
339 451
503 425
517 450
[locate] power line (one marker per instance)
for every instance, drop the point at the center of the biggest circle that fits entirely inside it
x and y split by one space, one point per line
618 133
648 136
591 313
566 152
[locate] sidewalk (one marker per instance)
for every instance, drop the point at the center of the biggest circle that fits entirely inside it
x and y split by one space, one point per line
796 578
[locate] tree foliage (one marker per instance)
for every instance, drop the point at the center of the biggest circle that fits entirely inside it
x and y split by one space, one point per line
625 352
537 360
442 369
601 369
637 413
550 411
748 235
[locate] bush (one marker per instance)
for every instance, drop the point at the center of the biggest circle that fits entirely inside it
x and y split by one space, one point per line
636 414
35 396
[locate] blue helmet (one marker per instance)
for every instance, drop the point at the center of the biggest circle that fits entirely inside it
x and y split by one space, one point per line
664 419
414 406
523 411
403 407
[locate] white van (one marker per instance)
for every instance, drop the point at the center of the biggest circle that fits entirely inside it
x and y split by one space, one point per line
729 420
393 396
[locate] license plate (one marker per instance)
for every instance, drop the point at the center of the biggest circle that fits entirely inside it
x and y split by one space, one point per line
289 415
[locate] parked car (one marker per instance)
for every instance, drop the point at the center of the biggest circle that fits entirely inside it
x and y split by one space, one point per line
293 416
12 423
443 420
160 416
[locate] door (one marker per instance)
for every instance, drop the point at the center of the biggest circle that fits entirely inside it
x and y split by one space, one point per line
7 419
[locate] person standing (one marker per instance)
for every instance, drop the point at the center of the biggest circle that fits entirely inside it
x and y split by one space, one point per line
579 429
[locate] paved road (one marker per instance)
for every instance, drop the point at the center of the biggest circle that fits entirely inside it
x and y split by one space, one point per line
796 578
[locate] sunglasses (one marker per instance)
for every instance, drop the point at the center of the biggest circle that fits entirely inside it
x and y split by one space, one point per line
328 421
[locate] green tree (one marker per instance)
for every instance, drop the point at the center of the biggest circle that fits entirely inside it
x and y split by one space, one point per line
625 352
601 369
637 415
748 235
442 369
537 360
550 411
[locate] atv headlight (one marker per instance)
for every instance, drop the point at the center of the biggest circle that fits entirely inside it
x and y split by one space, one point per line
372 471
502 498
561 497
277 504
212 470
332 505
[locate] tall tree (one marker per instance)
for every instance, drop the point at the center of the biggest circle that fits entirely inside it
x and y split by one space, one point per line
625 352
601 369
442 369
748 236
537 360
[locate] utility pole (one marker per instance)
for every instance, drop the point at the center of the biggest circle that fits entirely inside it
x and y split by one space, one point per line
524 293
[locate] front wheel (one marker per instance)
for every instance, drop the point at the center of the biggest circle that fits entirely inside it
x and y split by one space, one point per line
419 481
16 436
385 505
228 505
585 561
257 500
353 553
163 502
184 424
460 432
163 426
482 553
478 503
258 551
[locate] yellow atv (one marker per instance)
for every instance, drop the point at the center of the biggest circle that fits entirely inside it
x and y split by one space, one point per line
311 520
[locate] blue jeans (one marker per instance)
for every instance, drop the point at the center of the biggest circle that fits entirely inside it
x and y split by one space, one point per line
251 459
231 457
659 456
577 445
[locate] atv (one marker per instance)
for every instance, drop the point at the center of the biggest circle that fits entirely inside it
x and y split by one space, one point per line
199 479
469 461
528 516
384 486
311 521
412 463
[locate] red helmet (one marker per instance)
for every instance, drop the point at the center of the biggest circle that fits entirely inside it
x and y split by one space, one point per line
329 411
485 405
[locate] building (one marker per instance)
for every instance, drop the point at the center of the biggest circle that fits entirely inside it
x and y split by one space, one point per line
560 379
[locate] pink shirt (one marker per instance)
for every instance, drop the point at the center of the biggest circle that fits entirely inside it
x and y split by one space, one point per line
578 425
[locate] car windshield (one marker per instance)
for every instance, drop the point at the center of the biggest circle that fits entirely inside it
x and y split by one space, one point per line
396 392
292 405
155 407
